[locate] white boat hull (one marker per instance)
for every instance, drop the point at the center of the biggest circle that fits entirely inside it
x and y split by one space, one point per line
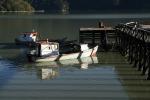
58 57
50 58
82 54
69 56
94 51
86 53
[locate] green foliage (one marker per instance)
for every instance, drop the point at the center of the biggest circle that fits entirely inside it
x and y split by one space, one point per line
31 5
15 5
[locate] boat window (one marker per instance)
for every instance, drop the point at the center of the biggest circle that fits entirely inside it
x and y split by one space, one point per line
55 46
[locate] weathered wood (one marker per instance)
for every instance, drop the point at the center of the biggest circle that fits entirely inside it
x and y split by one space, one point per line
96 34
97 30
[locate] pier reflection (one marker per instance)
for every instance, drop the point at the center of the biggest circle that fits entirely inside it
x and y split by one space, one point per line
50 70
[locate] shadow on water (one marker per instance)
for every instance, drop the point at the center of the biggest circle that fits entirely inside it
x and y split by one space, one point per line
10 46
10 67
12 57
13 52
6 71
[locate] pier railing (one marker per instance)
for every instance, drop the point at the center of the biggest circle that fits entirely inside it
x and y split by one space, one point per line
134 43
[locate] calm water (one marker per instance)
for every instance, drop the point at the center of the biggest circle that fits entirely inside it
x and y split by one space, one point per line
58 26
84 79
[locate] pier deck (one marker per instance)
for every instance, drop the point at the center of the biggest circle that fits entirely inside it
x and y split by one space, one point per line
95 36
96 30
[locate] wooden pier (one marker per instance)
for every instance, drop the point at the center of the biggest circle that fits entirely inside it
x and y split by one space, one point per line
133 43
96 35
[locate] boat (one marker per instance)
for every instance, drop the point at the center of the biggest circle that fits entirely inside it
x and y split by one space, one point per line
49 51
26 38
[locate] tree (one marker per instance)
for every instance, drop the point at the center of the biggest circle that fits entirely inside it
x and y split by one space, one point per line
18 5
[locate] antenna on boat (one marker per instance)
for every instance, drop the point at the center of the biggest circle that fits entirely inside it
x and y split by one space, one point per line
33 30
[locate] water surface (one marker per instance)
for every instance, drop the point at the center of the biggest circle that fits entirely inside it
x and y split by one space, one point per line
84 79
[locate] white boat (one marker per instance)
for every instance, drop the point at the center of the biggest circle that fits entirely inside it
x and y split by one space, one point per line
49 51
26 38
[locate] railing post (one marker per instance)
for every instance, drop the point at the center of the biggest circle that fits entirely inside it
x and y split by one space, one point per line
135 45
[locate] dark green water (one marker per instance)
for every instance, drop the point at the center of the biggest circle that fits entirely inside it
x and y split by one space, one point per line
58 26
84 79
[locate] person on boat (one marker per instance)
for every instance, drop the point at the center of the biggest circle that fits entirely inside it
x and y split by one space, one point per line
101 24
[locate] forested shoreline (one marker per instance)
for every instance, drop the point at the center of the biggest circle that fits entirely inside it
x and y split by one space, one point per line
71 6
30 5
15 5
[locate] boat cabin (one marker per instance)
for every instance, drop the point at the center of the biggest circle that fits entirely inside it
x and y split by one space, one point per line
46 48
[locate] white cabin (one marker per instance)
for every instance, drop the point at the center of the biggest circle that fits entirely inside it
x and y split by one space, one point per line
46 48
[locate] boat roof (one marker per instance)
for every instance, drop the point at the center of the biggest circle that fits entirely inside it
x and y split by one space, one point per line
43 42
30 33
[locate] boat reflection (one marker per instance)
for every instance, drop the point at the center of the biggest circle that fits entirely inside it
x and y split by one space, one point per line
47 70
46 64
68 62
88 60
49 73
85 60
50 70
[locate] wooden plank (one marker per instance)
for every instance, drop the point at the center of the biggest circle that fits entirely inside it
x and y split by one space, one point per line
96 29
